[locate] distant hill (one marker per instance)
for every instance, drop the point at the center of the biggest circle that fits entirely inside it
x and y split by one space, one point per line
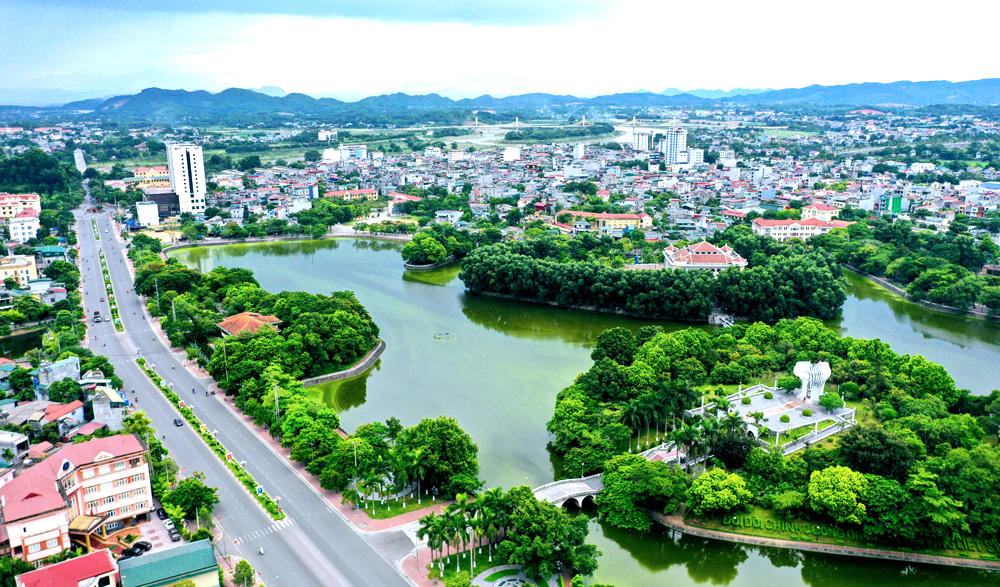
159 105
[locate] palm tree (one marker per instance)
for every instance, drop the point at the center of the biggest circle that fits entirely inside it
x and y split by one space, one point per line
401 473
432 528
723 404
733 422
685 437
418 468
647 409
710 429
350 496
632 414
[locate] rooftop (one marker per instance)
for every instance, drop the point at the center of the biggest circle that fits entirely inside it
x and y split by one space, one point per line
70 572
162 567
246 322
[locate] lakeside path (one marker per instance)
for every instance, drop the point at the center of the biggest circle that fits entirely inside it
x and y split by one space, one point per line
338 231
676 522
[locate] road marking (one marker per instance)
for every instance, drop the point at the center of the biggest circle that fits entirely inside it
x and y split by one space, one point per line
270 529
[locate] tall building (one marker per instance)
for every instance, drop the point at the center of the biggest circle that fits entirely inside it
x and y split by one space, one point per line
673 144
641 140
187 176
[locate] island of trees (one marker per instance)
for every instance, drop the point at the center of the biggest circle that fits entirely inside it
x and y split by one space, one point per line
787 281
919 470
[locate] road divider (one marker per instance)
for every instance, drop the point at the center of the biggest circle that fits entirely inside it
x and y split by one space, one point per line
112 301
251 485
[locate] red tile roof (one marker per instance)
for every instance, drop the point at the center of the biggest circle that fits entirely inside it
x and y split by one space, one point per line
55 411
818 206
71 572
34 491
246 322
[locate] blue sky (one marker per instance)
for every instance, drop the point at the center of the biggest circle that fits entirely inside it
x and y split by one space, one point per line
56 50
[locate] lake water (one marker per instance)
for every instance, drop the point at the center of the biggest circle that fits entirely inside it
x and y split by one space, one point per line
497 365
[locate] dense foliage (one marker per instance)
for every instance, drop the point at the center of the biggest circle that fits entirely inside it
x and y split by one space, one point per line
941 267
789 283
920 469
436 243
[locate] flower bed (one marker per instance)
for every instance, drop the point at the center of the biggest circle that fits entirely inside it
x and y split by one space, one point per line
217 447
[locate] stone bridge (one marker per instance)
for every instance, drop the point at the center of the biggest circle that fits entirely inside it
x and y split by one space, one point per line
575 490
579 489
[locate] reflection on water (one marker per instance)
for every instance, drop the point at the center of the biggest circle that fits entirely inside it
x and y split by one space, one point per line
15 345
345 394
502 363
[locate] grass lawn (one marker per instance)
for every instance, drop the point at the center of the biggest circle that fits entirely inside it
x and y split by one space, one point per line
502 574
392 507
784 133
768 517
482 564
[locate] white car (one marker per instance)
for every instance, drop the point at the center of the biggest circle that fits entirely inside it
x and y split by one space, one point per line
168 524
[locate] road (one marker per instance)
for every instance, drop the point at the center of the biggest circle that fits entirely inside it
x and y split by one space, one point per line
313 545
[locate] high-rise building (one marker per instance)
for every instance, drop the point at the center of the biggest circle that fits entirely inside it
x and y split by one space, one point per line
641 140
187 176
673 144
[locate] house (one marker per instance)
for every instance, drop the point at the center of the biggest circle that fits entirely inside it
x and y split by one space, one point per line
824 212
49 373
16 443
12 204
109 408
702 256
606 223
44 256
782 230
192 563
350 195
447 217
246 322
97 569
24 225
20 268
67 417
399 198
98 486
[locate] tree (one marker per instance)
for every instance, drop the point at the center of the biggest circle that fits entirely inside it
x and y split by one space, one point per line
869 448
192 495
244 575
11 284
717 491
617 344
311 156
837 492
789 383
12 567
65 391
831 401
22 384
633 486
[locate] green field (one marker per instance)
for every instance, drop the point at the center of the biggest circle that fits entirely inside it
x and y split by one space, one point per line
784 133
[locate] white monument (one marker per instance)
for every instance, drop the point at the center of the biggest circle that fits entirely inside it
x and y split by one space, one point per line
813 377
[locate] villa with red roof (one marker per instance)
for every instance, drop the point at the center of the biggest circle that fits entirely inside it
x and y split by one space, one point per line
77 493
782 230
702 256
250 322
97 568
824 212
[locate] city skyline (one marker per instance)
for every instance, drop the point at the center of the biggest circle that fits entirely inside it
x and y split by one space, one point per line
68 50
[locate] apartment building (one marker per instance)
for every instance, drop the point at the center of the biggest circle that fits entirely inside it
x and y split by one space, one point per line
186 163
12 204
24 225
98 486
782 230
20 268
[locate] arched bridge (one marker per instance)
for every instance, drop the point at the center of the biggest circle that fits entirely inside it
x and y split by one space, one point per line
560 492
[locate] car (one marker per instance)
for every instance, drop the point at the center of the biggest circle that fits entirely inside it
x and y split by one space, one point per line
143 546
97 319
169 524
125 557
133 551
162 514
175 536
102 299
178 422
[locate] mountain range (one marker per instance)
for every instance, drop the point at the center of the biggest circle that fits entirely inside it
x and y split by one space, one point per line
160 105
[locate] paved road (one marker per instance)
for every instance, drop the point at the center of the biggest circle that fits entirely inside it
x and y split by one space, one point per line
313 546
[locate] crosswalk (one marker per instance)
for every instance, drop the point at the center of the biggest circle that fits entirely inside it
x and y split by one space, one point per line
262 532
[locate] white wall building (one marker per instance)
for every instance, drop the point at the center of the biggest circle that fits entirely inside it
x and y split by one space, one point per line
353 152
187 176
147 213
673 144
24 226
511 154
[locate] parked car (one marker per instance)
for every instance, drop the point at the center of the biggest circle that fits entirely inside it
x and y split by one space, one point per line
169 524
134 551
178 422
125 557
175 536
162 514
102 299
143 546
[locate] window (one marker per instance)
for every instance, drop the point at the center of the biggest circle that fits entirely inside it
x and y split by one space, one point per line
34 547
120 466
91 490
123 495
138 492
104 469
91 505
88 473
124 509
121 482
54 542
136 478
135 462
108 499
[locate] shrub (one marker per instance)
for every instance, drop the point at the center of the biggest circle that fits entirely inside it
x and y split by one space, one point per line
784 418
745 401
768 395
807 413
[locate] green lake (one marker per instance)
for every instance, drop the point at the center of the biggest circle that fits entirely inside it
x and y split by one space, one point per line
497 365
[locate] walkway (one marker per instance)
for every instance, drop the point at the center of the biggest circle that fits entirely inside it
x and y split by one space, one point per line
559 492
676 522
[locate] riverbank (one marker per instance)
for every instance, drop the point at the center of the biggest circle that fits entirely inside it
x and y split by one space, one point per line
678 523
367 362
587 308
902 293
430 266
339 231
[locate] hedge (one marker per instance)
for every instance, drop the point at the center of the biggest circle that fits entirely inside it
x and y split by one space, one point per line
217 447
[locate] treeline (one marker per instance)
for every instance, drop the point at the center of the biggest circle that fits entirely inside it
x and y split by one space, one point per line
438 242
941 267
37 171
920 471
791 283
547 134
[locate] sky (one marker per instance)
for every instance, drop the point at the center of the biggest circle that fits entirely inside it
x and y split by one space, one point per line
58 50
